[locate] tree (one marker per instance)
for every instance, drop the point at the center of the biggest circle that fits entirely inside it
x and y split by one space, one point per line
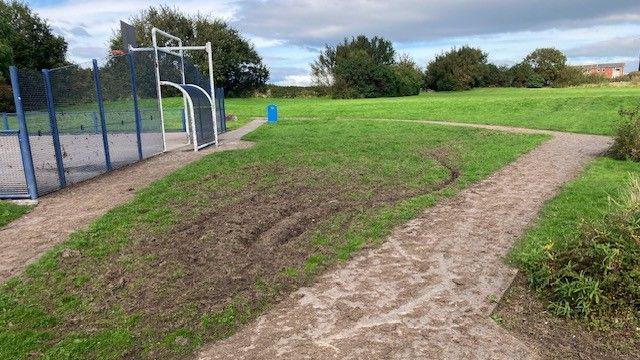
237 66
548 63
495 76
26 41
458 69
409 76
359 67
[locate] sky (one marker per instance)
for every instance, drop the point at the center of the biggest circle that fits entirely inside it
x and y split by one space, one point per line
289 34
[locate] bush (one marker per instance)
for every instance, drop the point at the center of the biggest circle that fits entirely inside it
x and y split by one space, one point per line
458 69
574 76
6 97
359 67
626 144
291 92
495 76
597 274
535 81
632 77
408 77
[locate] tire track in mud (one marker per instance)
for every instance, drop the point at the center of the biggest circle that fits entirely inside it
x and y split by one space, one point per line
63 212
429 289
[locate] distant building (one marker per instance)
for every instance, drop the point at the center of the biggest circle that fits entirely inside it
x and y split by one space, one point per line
610 71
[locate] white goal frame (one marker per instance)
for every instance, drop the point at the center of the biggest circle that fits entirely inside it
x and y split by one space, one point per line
178 51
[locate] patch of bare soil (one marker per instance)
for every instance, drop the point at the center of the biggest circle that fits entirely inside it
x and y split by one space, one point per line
525 315
428 291
240 244
59 214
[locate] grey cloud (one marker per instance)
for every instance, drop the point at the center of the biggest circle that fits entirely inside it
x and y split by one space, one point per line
620 46
312 23
79 31
66 29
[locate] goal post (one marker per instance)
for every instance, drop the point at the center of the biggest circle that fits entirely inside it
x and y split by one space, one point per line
198 122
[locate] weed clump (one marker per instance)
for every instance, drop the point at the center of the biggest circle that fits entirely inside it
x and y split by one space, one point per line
596 274
627 138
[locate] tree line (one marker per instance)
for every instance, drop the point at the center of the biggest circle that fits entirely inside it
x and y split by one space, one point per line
362 67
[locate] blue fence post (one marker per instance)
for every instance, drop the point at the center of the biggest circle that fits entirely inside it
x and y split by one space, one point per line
103 120
53 121
5 120
25 146
136 109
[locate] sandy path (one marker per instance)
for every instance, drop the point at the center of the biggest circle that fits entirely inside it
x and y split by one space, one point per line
59 214
428 291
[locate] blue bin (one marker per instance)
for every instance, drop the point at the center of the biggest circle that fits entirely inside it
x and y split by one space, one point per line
272 113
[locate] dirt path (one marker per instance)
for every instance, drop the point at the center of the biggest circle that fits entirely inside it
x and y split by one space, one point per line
428 291
59 214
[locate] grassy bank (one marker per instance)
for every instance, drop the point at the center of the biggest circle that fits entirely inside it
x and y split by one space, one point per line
577 225
583 110
208 248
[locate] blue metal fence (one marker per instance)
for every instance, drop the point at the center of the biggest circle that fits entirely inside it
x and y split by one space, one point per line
79 121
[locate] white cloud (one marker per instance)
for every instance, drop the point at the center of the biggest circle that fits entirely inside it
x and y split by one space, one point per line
296 80
261 42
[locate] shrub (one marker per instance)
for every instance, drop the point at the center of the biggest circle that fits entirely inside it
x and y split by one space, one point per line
574 76
6 97
495 76
597 274
458 69
290 92
535 81
626 144
359 67
408 77
632 77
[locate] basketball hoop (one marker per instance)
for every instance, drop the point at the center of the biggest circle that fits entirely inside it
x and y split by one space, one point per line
117 52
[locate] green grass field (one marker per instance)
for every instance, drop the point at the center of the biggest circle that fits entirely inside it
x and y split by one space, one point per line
10 212
591 110
208 248
583 110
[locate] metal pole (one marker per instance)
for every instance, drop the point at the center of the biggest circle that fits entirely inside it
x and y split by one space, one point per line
184 101
136 109
212 92
158 85
25 146
53 122
103 120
